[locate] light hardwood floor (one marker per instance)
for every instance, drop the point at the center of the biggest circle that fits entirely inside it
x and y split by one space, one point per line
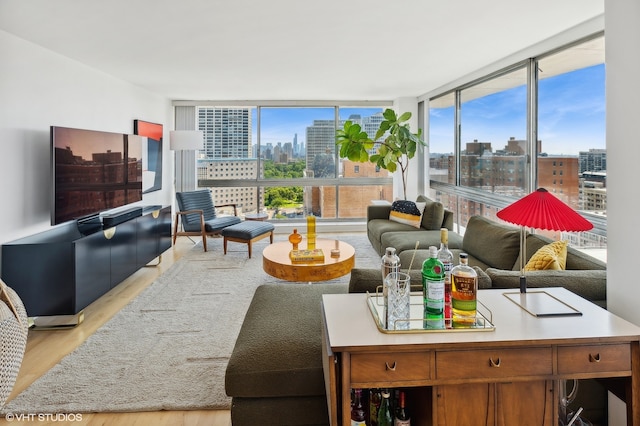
45 348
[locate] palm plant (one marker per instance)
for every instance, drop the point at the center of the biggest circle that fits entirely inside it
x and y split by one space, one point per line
394 151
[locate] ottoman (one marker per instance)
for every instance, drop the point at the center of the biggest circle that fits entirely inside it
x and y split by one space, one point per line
275 374
247 232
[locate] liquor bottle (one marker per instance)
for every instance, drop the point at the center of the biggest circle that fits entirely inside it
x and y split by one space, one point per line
390 262
358 415
433 290
384 412
375 398
402 418
446 257
311 232
464 292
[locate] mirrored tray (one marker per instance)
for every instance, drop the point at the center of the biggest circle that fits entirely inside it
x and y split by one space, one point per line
375 301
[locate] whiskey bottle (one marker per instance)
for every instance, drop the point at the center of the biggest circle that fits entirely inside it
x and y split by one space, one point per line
402 417
384 412
433 290
464 292
358 414
446 257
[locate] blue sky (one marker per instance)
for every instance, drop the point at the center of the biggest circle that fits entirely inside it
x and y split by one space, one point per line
281 124
571 115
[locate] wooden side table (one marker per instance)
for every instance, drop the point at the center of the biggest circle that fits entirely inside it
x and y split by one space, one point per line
485 374
276 262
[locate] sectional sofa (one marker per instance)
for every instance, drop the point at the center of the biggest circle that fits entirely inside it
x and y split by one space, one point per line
493 249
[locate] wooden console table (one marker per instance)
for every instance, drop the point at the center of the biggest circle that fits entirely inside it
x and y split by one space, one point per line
491 377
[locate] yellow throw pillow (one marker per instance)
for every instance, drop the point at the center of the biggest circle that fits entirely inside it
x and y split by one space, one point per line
552 256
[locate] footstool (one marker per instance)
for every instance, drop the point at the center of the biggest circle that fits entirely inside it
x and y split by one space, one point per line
247 232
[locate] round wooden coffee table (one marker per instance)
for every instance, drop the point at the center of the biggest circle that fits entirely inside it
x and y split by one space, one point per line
276 262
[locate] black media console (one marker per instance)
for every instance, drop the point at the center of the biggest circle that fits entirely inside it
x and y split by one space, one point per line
59 272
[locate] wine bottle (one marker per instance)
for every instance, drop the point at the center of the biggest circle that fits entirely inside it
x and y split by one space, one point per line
433 290
358 415
446 257
464 291
384 412
402 417
374 404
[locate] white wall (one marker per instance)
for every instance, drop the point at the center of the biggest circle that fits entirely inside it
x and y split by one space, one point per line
623 155
402 105
39 89
622 38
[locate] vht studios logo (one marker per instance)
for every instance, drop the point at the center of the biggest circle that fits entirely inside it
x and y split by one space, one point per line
43 417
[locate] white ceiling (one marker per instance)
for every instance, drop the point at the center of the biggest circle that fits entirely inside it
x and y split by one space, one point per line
290 49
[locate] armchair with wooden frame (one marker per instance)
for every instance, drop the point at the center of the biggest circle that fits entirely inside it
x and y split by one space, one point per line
197 213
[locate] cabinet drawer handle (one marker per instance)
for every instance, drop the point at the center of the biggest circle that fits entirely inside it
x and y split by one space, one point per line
493 363
390 368
594 358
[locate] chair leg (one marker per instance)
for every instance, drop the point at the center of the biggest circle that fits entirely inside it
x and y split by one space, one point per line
249 244
204 241
175 231
224 244
271 238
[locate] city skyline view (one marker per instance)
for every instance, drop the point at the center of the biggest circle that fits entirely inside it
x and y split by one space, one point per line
281 124
571 115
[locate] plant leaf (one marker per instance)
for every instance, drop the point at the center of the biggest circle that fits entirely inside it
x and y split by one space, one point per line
389 114
404 117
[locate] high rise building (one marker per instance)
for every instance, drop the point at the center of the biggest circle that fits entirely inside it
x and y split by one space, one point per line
594 160
247 199
321 140
227 132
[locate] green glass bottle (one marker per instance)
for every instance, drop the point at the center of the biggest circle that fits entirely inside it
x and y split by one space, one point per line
384 412
433 275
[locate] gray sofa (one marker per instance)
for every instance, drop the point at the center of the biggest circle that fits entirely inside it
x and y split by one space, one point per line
275 372
383 233
494 249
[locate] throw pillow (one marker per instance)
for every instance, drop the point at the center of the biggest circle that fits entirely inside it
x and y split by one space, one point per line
433 215
407 212
552 256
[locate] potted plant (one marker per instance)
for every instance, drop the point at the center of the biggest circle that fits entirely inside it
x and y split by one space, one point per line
393 152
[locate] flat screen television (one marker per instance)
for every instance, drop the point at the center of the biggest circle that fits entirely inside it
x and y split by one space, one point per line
93 171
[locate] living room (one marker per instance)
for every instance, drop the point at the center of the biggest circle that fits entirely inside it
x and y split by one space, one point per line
41 87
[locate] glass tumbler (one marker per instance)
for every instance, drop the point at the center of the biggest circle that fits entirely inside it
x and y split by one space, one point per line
399 300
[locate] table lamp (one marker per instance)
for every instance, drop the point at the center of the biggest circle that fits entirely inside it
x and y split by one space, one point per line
541 210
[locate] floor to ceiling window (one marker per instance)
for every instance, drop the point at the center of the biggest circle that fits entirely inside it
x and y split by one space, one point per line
282 160
481 164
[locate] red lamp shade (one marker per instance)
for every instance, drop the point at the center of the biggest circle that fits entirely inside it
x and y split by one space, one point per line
542 210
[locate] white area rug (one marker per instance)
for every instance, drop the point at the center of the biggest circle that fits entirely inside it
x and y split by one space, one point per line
168 349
